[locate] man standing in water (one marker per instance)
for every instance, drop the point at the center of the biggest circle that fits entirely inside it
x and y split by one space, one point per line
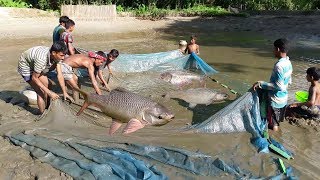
278 86
192 46
35 63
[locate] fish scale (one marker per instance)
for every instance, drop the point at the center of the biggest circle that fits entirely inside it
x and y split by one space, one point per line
127 107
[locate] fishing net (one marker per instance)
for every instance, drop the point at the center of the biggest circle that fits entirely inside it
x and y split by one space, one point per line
162 61
53 140
91 157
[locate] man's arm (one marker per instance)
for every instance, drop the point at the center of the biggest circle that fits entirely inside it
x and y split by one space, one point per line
35 78
71 49
108 65
62 83
277 85
198 50
93 79
104 83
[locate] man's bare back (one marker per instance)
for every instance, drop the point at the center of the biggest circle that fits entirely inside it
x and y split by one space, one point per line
314 91
79 61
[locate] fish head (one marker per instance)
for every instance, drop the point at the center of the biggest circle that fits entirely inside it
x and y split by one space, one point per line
166 76
158 115
221 96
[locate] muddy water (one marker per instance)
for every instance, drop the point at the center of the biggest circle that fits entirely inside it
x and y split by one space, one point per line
241 60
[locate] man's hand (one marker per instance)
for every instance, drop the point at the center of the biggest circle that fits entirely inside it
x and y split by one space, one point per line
53 95
67 97
255 86
106 87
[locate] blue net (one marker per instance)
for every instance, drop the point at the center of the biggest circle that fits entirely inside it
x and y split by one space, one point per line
162 61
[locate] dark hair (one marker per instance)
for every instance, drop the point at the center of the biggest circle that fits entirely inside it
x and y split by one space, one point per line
314 73
63 19
101 53
114 53
193 37
70 23
59 46
282 44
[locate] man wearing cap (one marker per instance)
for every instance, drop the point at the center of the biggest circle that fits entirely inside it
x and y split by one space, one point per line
91 62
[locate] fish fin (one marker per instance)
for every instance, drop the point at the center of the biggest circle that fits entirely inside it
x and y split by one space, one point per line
115 125
121 89
132 126
192 105
84 106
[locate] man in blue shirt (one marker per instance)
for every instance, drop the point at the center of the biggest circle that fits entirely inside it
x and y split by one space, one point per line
278 86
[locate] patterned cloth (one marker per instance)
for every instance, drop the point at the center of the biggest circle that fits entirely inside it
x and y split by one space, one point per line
279 81
67 71
36 59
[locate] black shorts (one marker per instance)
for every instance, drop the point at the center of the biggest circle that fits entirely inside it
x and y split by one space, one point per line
275 116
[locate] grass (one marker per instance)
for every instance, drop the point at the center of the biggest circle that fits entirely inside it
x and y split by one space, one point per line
154 13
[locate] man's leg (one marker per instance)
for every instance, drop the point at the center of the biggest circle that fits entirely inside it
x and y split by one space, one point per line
74 84
41 95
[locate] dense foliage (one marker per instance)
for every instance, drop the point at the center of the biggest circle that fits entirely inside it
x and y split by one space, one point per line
11 3
173 4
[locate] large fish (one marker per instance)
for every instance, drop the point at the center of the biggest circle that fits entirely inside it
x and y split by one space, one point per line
127 107
198 96
182 78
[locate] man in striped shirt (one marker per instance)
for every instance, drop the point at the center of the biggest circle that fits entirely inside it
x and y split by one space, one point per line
35 63
278 86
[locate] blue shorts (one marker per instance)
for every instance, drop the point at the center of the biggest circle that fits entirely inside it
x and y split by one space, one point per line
27 78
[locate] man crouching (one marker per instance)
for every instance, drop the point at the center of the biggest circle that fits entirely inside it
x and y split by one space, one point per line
35 63
91 62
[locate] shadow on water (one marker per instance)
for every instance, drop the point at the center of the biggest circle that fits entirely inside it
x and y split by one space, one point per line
17 99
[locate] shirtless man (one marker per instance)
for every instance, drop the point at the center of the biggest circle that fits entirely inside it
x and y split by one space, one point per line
311 108
192 46
92 61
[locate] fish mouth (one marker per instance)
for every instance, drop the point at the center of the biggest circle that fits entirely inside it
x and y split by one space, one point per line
168 117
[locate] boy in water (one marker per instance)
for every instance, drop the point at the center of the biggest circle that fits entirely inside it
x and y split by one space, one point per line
67 38
35 63
309 109
277 88
92 61
58 30
112 55
192 46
